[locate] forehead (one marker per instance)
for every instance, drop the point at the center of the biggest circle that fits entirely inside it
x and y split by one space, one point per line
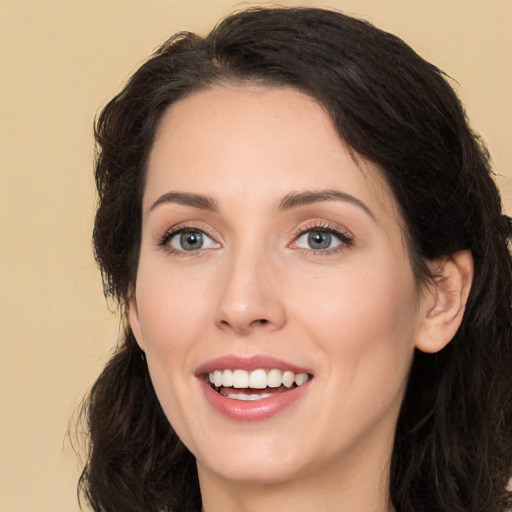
256 143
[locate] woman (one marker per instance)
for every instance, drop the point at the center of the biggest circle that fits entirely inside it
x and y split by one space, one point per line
306 242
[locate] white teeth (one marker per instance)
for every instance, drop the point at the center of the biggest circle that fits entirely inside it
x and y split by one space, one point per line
217 378
227 378
240 379
274 378
257 379
288 379
301 378
239 396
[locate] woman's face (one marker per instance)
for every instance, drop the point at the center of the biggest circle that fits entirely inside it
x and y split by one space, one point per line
272 257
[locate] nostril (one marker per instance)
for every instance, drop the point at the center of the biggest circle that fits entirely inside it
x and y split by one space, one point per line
240 326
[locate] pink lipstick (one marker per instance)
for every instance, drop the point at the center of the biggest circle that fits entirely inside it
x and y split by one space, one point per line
252 388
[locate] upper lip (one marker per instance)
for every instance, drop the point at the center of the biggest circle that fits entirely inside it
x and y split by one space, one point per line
233 362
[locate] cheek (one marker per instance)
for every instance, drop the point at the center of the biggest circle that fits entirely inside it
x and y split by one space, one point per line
365 320
172 320
171 306
367 335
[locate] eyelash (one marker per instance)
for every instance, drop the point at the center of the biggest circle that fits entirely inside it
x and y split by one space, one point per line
164 240
345 238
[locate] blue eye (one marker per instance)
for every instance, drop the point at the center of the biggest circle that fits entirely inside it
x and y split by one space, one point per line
191 240
319 240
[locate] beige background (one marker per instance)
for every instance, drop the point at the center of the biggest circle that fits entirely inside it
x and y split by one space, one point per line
61 61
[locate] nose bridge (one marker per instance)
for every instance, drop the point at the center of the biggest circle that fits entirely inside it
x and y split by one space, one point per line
249 296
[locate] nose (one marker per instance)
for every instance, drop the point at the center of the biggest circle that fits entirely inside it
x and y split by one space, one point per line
250 299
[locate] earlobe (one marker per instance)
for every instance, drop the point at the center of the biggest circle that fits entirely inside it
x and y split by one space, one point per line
445 301
133 318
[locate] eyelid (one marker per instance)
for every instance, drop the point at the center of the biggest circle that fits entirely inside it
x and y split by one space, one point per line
324 225
163 239
343 234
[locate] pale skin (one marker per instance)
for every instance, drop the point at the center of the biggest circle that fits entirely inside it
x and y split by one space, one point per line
352 312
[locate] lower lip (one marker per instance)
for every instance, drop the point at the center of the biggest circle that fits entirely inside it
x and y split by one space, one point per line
252 410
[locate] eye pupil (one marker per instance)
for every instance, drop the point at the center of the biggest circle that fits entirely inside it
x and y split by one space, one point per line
319 240
190 241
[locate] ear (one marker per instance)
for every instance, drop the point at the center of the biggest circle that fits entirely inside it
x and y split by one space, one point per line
132 314
445 301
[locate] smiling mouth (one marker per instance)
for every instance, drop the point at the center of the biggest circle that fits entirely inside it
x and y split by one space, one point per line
255 385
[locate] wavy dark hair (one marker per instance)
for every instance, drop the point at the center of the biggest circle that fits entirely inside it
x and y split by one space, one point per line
453 445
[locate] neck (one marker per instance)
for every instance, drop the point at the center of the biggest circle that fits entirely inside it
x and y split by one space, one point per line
360 485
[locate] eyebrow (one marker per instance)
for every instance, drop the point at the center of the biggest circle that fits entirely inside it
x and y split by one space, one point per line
187 199
296 199
290 201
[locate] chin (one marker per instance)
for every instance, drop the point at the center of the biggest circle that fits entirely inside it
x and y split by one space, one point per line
262 458
254 469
